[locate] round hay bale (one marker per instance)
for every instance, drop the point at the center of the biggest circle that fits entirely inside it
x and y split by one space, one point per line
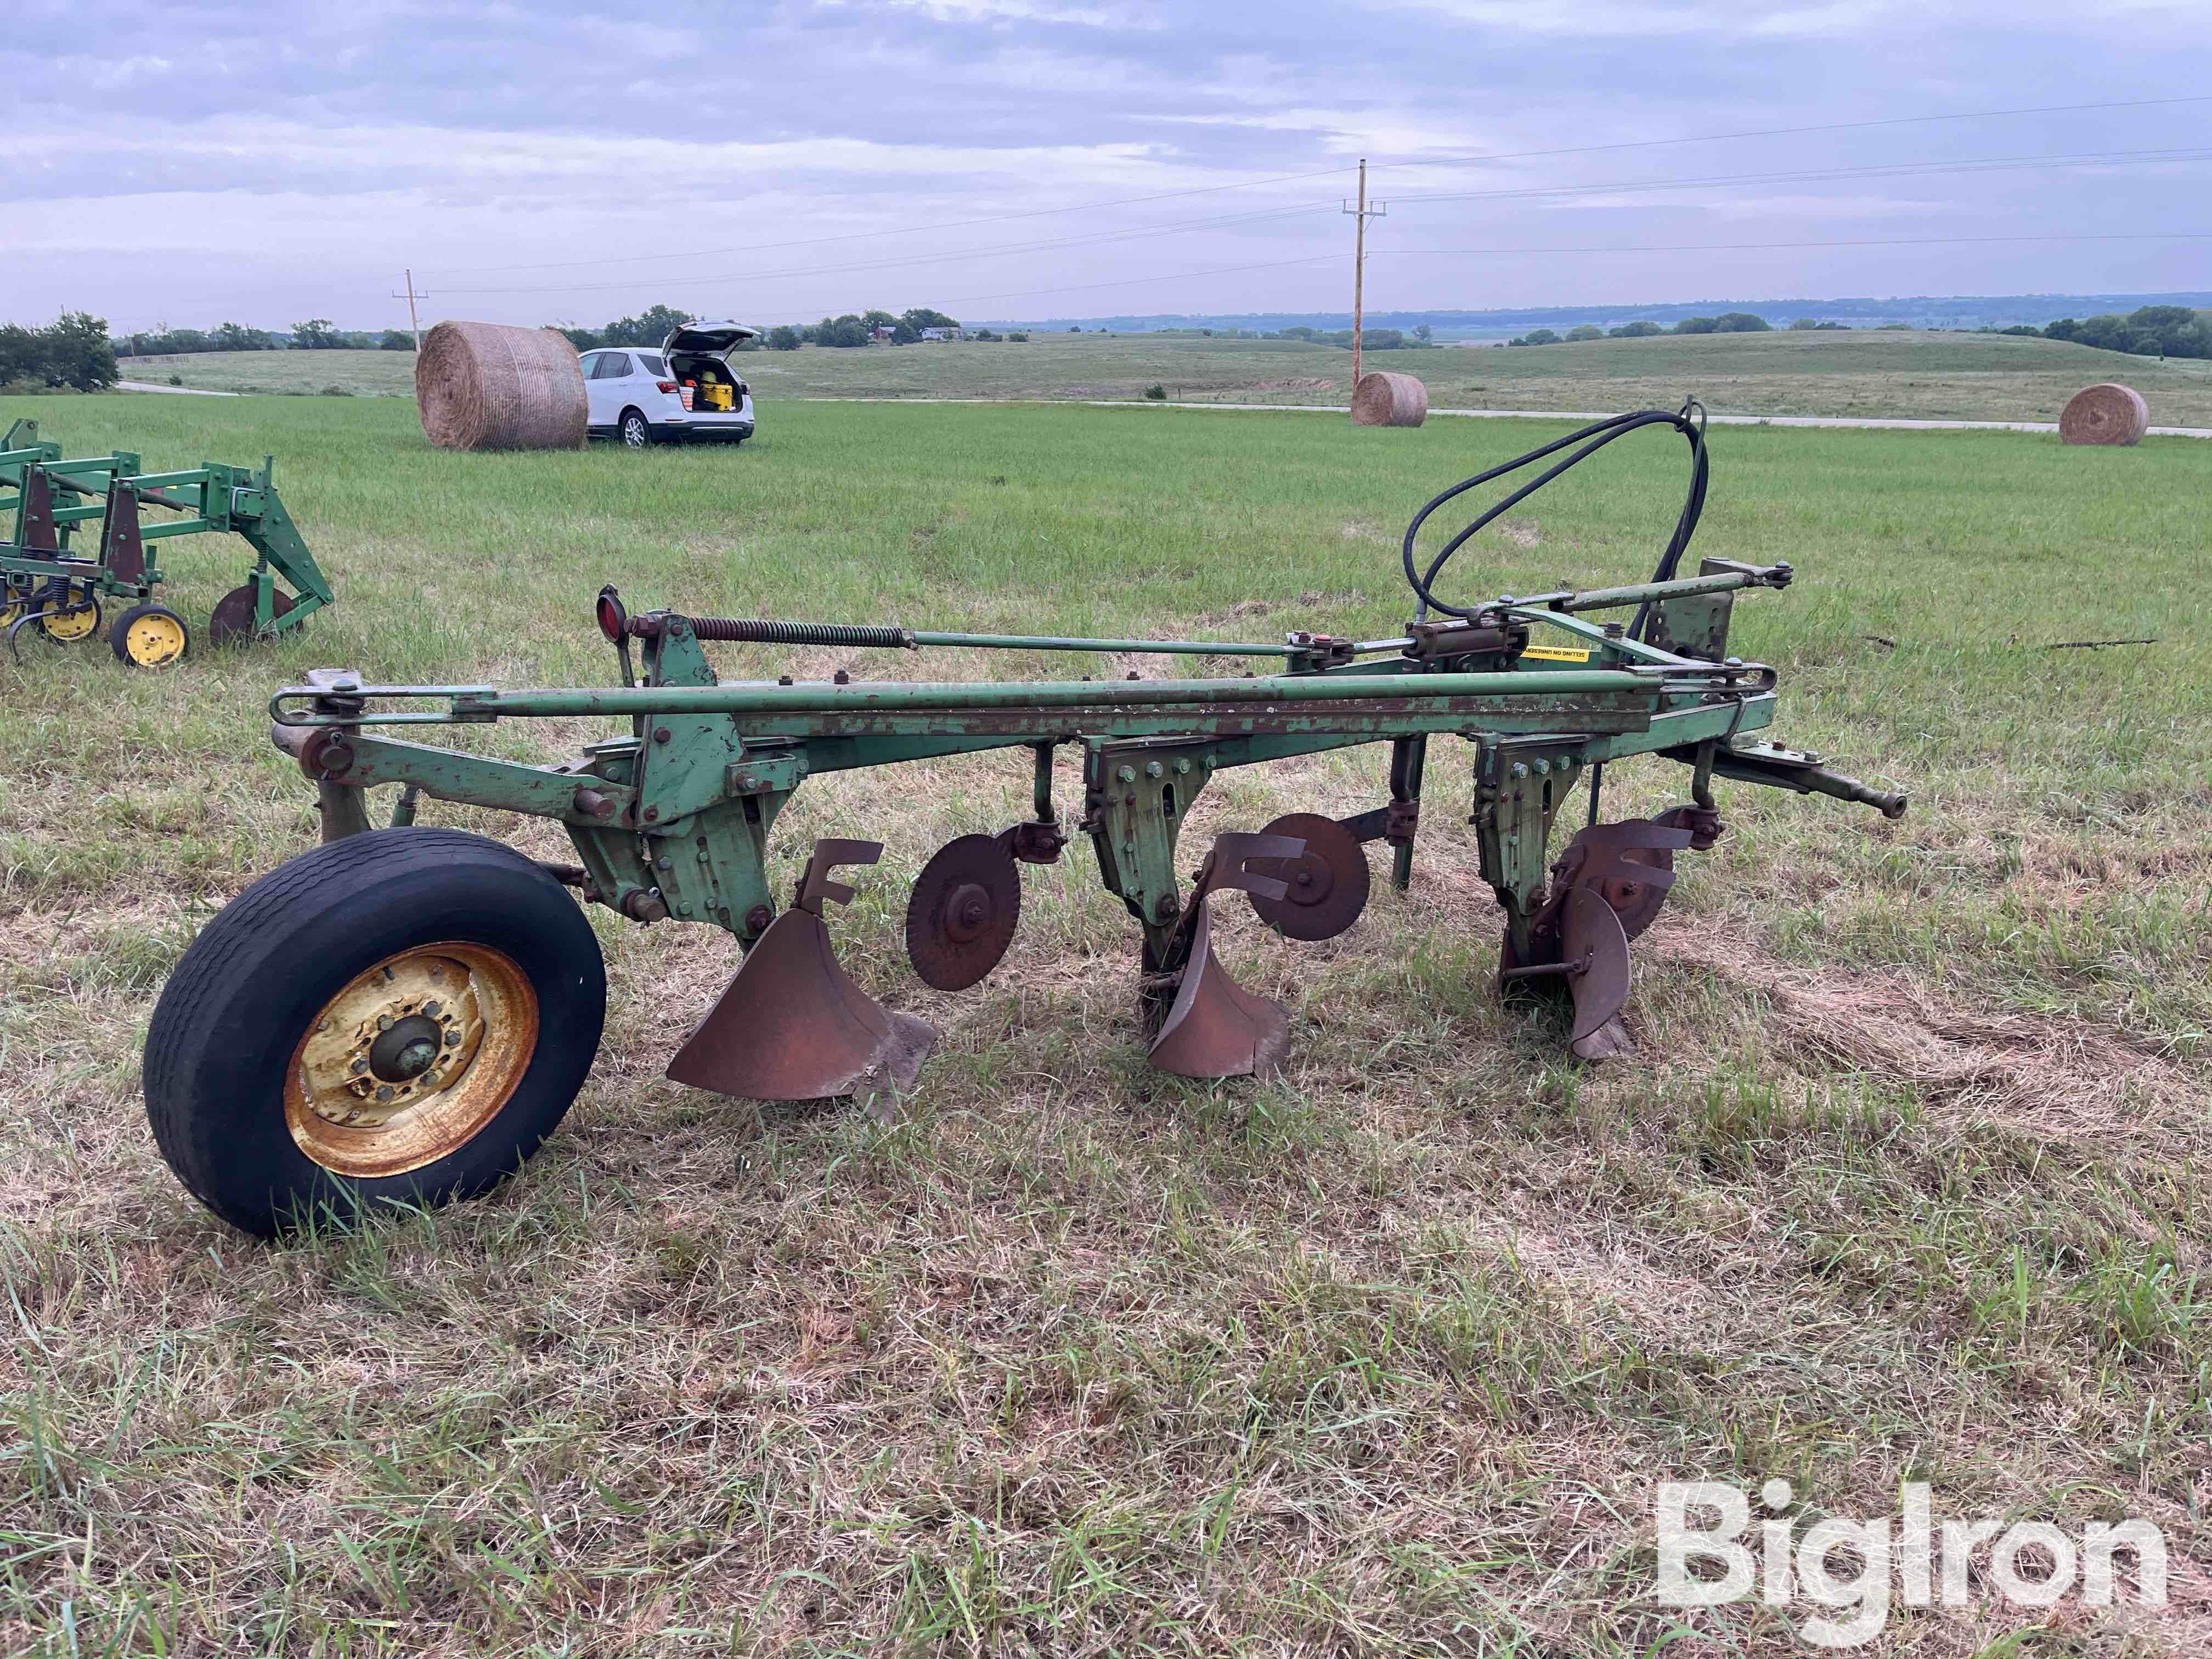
485 385
2108 414
1384 399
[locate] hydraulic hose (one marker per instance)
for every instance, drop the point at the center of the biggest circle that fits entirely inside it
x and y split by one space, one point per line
1689 421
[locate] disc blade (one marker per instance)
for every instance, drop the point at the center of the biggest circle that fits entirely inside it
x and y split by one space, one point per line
1631 864
233 622
1593 940
962 913
1325 887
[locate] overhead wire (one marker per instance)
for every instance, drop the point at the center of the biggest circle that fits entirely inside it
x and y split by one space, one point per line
1320 173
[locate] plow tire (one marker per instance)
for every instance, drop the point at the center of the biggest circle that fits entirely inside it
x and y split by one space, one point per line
302 953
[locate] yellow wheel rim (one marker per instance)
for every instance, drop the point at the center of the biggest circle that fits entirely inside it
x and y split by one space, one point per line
412 1059
10 608
70 627
154 641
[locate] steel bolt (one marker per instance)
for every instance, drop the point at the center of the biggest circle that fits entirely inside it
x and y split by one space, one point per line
757 919
383 1022
384 1092
1543 768
1125 774
452 1039
1153 769
663 863
433 1008
653 815
660 734
1520 770
360 1065
1182 766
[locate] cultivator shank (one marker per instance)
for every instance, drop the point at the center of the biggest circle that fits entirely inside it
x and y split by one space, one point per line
47 585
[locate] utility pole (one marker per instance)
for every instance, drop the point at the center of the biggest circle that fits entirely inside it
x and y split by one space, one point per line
1361 215
411 296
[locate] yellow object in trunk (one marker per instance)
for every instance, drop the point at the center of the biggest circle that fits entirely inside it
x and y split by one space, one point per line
717 397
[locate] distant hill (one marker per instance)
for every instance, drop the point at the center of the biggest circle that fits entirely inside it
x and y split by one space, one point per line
1920 311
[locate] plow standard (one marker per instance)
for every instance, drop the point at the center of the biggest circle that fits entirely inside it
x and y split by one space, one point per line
405 1012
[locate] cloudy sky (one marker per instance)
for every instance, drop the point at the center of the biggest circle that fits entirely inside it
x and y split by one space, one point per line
185 164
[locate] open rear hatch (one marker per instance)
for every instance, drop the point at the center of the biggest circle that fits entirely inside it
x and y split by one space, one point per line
698 358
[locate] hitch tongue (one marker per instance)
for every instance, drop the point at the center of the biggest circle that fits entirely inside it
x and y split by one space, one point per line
792 1025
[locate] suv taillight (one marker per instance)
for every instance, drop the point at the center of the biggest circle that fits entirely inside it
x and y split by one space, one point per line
666 385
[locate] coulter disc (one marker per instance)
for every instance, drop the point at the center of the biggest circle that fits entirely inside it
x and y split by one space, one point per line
1326 884
231 622
962 916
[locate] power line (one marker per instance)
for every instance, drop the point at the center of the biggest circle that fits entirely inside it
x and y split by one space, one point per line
1893 169
1699 248
1785 133
1222 221
900 261
1322 173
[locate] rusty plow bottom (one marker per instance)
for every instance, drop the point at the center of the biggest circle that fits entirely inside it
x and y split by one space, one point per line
792 1025
1212 1027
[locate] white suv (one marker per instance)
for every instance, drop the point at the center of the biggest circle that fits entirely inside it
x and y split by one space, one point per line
687 389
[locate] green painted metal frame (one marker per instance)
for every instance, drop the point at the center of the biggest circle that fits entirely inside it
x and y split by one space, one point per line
673 819
213 497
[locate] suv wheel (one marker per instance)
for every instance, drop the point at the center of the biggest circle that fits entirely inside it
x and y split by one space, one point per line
635 433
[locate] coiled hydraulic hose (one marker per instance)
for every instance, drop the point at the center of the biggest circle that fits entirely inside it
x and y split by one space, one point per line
1689 421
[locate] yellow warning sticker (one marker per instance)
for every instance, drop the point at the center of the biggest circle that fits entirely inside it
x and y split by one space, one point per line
1556 653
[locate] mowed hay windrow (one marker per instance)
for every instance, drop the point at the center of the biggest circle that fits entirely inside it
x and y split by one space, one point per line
485 385
2106 414
1383 398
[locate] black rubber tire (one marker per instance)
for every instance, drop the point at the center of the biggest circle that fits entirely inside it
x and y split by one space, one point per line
223 1034
634 429
119 634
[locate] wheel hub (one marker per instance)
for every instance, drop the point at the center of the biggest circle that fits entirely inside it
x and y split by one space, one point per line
403 1032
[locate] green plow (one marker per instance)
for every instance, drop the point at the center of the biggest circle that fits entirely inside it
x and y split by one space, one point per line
404 1011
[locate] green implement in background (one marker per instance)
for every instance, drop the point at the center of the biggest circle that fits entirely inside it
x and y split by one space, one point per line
48 585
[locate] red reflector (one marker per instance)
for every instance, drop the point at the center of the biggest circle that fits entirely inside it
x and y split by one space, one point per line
613 615
666 385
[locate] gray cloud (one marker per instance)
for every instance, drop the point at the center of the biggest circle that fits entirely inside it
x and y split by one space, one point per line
266 162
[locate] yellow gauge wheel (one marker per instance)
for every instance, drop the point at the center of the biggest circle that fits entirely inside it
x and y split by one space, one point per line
410 1060
149 636
70 626
10 608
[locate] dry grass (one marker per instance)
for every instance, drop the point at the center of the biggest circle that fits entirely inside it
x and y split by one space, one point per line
1386 1356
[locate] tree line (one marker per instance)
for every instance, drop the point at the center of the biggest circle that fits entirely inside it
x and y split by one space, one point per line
2146 331
73 352
1728 322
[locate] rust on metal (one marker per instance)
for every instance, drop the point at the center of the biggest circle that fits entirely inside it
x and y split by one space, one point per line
962 913
1324 888
792 1025
126 550
1213 1027
233 621
1595 948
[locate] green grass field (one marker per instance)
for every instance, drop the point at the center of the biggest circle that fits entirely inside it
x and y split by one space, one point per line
1385 1357
1860 373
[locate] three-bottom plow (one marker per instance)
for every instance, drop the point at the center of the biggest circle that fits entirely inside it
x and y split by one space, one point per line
405 1013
